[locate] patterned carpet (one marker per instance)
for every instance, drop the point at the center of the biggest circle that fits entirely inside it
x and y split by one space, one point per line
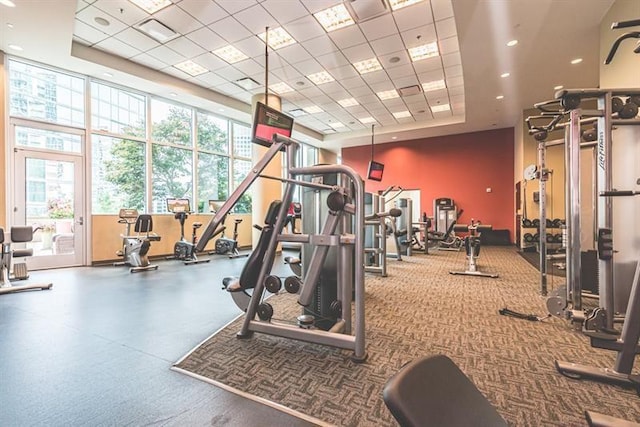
420 309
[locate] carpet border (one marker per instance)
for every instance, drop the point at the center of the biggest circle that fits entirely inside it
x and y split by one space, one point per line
241 393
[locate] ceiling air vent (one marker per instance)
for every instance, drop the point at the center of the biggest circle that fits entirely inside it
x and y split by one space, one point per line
409 90
363 10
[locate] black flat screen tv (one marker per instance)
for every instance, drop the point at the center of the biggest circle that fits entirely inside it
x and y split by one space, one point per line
268 121
375 171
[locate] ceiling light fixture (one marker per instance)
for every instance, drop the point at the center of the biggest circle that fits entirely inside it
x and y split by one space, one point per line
440 108
247 83
388 94
424 51
511 43
281 88
191 68
313 109
334 18
15 47
151 6
434 85
336 125
7 3
278 38
576 61
500 97
101 21
157 30
399 4
367 120
348 102
320 78
503 75
368 65
394 137
402 114
230 54
558 87
297 112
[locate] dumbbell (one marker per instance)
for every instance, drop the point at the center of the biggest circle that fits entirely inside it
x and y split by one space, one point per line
526 222
557 223
590 135
557 238
535 223
616 104
540 135
528 237
550 238
549 223
536 237
570 102
629 110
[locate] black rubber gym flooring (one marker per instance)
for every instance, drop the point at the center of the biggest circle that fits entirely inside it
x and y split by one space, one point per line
97 348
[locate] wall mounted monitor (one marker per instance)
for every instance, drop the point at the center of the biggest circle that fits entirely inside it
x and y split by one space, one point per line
178 205
375 171
268 121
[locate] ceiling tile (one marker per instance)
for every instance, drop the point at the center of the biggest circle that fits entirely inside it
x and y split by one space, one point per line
207 39
177 19
210 79
397 72
320 46
332 60
136 39
117 47
230 73
251 46
386 45
275 61
360 91
437 94
166 55
255 19
446 28
413 16
230 30
148 61
429 64
294 53
352 82
311 92
81 5
344 72
173 71
370 101
318 5
442 9
347 37
433 100
359 52
304 29
331 88
185 47
287 73
395 59
233 6
88 33
377 77
455 81
453 71
448 45
124 10
430 76
451 59
309 66
88 15
458 90
406 81
249 67
210 61
379 27
205 11
285 10
229 88
419 36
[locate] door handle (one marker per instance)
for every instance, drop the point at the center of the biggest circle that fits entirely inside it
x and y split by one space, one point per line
80 221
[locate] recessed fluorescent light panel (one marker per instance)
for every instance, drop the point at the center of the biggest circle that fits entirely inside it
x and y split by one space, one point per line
388 94
230 54
348 102
367 120
281 88
399 4
511 43
402 114
335 17
314 109
157 30
151 6
434 85
368 65
278 38
424 51
191 68
247 83
576 61
336 125
440 108
321 78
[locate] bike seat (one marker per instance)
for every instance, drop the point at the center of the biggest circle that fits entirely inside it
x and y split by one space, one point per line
237 220
197 225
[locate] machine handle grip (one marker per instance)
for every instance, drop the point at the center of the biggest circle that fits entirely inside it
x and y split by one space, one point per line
618 193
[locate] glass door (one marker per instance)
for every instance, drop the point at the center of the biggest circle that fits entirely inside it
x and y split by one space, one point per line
49 197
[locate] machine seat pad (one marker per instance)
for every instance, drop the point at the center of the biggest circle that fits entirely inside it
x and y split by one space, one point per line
18 253
433 391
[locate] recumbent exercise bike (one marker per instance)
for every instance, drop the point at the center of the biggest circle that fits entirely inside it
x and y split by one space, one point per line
135 248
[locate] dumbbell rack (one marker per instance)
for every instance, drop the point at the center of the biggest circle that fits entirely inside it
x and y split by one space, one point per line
534 239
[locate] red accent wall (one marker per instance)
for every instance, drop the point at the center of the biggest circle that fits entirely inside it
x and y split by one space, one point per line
461 167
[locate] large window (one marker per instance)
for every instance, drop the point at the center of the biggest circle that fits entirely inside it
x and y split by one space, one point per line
42 94
47 139
170 123
117 111
172 175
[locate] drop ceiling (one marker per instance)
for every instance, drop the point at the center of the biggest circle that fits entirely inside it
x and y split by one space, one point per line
94 36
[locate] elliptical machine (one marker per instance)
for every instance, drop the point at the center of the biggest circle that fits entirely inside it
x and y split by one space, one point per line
136 247
184 250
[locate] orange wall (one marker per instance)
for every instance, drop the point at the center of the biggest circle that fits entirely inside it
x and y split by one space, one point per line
461 167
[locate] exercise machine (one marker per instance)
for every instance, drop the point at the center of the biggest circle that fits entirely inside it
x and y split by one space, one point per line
376 233
445 212
472 247
341 232
11 271
135 248
225 245
184 250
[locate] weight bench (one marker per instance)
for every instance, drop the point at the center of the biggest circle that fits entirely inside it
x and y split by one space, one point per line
7 254
433 391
